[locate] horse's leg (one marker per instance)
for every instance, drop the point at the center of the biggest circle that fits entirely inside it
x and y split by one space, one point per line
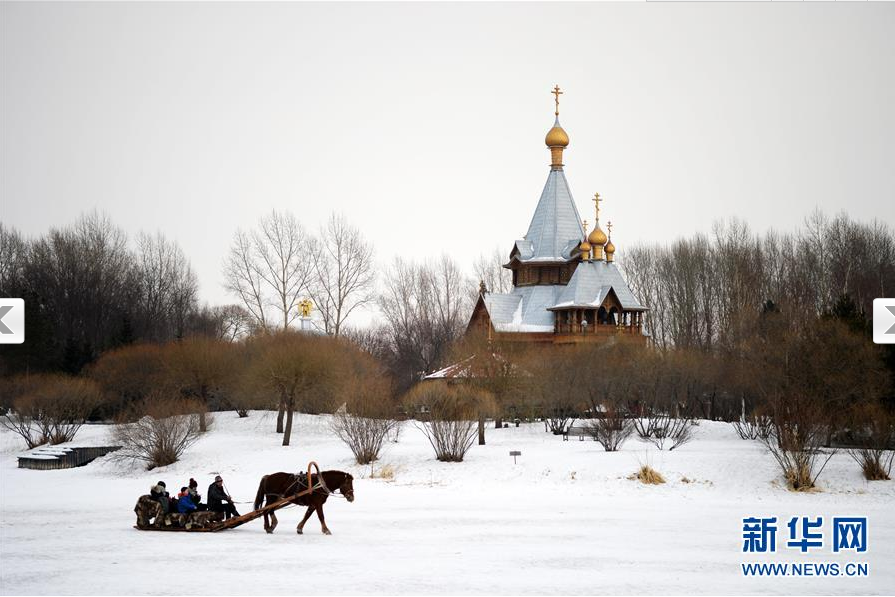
322 522
274 521
300 528
267 527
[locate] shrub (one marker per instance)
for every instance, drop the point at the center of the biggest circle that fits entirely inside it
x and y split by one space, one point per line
648 475
364 435
660 427
873 436
752 426
367 416
795 443
611 430
50 408
452 412
160 430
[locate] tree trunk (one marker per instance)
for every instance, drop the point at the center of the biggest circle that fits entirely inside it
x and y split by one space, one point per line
280 412
288 433
481 430
498 423
203 396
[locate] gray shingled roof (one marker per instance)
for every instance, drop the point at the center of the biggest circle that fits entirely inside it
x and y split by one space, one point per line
555 228
524 309
591 283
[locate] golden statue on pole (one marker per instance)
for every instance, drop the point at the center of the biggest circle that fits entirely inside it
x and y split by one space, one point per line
305 307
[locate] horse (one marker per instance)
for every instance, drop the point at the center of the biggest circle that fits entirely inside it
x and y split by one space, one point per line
278 486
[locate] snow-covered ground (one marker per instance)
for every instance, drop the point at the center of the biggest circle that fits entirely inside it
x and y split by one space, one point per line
565 519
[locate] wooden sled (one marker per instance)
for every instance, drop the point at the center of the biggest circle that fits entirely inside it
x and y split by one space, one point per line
236 521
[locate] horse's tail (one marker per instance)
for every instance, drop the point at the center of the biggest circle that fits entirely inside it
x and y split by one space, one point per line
259 498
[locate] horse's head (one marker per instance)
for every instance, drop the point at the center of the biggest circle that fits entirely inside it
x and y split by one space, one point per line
347 487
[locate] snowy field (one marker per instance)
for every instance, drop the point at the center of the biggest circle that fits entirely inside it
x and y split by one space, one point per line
565 519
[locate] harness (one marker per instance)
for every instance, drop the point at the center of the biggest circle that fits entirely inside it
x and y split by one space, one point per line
302 482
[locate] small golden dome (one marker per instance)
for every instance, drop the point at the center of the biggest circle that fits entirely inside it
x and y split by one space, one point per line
584 247
597 237
610 248
557 137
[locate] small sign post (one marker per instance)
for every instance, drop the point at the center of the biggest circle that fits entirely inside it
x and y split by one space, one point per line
515 453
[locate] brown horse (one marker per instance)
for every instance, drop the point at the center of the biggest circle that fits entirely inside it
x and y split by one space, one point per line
282 485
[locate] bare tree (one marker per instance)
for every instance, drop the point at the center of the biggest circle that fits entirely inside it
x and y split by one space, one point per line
65 404
555 387
489 269
343 272
373 340
50 407
807 379
270 268
243 278
612 428
130 374
425 308
168 288
452 410
297 369
202 369
367 415
707 292
13 259
85 277
873 440
22 413
233 322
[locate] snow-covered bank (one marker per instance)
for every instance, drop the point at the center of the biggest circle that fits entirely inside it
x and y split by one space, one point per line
565 519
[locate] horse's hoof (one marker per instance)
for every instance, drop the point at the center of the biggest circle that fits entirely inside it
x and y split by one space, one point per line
299 531
268 531
326 532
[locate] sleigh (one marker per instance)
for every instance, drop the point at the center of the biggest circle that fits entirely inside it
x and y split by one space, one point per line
150 516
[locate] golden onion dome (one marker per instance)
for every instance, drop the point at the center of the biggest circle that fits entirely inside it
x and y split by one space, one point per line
584 247
557 137
597 237
610 248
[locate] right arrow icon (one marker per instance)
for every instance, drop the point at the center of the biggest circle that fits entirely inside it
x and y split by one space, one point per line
884 321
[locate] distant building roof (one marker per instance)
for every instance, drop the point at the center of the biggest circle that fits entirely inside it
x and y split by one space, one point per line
590 284
555 229
523 309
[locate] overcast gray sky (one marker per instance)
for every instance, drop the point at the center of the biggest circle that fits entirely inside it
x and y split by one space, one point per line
424 123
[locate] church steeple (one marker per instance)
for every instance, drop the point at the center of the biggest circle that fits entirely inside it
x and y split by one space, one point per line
597 237
584 246
557 139
610 248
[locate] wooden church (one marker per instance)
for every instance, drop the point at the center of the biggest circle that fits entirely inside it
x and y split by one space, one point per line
566 288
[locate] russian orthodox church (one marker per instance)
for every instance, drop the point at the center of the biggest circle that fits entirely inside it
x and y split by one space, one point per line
566 286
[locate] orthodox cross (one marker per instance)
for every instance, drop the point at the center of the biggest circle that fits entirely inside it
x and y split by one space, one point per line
609 227
596 201
585 227
557 93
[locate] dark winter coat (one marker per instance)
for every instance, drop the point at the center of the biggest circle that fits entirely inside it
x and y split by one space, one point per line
195 496
158 493
216 495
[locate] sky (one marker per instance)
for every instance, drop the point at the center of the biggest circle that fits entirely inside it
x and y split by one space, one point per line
424 123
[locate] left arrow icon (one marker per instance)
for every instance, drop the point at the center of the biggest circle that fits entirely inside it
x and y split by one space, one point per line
12 321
